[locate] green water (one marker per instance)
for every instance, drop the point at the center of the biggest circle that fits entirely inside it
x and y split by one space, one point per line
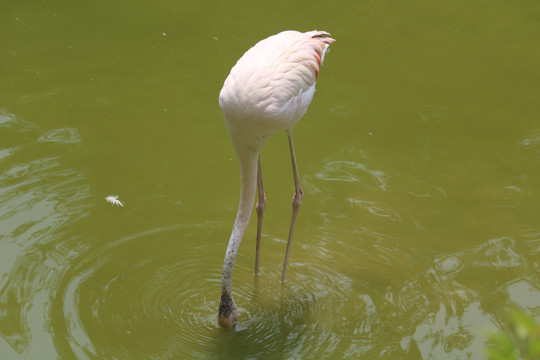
419 158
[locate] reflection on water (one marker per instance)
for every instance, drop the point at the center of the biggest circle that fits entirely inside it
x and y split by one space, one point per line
14 123
352 171
531 142
39 198
423 305
108 292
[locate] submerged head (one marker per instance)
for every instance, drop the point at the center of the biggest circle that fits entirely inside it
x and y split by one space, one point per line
228 313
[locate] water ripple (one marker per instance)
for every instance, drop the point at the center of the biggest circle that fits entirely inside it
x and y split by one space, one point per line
531 141
421 189
306 316
164 304
7 152
377 210
15 123
39 198
156 303
351 171
61 136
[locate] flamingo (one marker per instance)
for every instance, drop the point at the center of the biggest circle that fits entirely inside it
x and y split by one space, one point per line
267 91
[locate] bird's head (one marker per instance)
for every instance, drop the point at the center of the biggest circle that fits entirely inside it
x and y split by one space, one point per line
228 313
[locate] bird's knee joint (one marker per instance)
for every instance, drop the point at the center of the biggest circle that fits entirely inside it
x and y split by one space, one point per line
261 206
297 199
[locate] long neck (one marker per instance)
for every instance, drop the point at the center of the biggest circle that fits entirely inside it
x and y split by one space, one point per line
248 170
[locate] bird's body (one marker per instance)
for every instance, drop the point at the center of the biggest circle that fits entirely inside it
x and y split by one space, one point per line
271 86
267 91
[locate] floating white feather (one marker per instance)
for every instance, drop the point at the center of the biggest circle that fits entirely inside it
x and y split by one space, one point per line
113 199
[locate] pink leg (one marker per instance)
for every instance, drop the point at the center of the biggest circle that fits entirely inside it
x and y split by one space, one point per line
296 201
261 205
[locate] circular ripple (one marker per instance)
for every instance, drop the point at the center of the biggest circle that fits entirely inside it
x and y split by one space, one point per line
146 295
306 315
152 295
61 136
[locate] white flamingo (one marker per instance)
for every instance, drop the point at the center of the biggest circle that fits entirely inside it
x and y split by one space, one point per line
268 90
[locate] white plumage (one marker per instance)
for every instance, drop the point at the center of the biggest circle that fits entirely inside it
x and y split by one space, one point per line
113 199
271 86
267 91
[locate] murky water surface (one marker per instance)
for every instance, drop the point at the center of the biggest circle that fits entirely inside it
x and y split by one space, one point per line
420 160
